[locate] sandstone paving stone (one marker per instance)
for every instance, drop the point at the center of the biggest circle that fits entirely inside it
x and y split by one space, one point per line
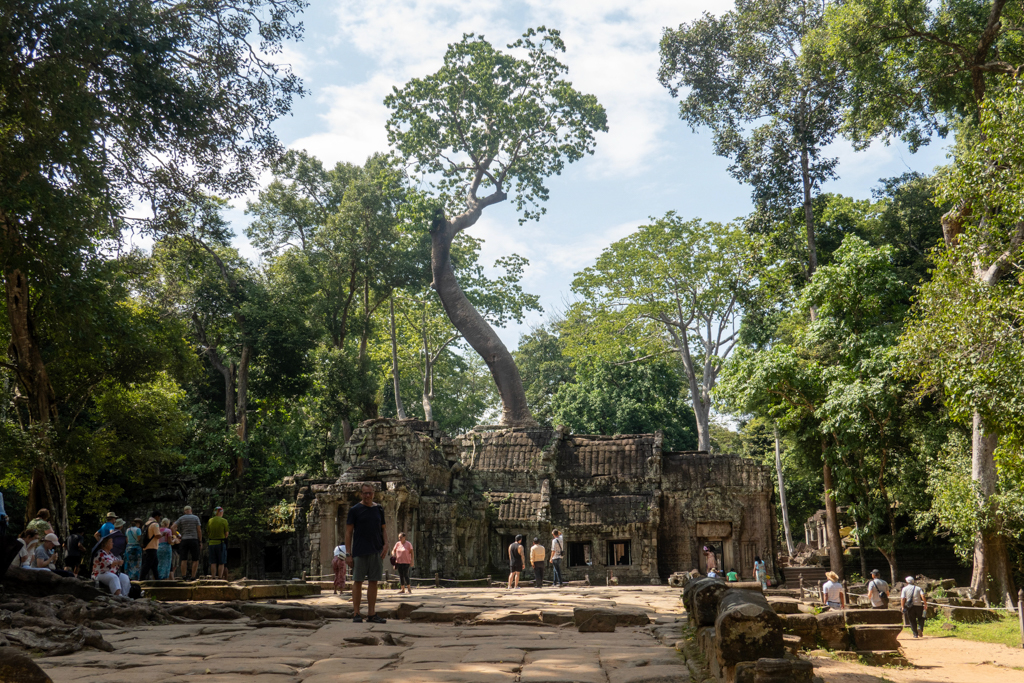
495 654
459 667
233 678
632 657
430 654
343 666
499 651
649 674
555 672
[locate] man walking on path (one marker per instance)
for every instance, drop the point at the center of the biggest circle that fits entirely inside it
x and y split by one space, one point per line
150 542
557 548
537 558
878 591
217 546
367 541
191 529
913 602
516 561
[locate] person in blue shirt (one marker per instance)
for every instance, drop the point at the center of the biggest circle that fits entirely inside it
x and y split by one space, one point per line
107 528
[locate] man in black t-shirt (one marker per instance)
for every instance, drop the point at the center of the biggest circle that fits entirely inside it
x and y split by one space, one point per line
366 539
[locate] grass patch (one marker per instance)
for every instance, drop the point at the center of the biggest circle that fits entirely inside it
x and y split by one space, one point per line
1006 631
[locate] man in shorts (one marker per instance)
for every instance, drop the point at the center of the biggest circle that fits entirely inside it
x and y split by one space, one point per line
191 529
217 545
366 539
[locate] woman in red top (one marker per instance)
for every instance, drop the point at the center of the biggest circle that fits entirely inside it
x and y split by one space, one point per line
105 567
402 554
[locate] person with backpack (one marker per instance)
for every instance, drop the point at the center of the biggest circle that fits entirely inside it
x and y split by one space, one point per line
557 550
150 542
913 603
878 591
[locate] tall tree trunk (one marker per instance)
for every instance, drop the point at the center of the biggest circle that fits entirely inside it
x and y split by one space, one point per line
242 406
428 376
782 493
242 411
835 541
812 244
394 364
860 548
702 414
48 488
475 330
992 576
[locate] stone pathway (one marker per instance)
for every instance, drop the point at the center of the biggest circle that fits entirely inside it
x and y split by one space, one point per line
499 637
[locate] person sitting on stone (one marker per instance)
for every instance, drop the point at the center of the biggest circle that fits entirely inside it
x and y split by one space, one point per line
46 556
105 567
29 539
732 576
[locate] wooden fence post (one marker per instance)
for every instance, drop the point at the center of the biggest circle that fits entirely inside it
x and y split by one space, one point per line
437 580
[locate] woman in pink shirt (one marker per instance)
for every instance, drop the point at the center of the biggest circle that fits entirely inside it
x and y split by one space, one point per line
402 554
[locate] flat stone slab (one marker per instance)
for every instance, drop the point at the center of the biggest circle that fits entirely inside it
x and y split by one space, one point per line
444 614
457 649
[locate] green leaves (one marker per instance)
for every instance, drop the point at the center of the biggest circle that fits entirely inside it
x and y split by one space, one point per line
755 77
494 121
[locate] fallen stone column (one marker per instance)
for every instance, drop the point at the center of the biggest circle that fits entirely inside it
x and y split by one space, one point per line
746 629
701 600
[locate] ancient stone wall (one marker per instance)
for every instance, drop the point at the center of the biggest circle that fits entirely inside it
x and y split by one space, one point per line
625 508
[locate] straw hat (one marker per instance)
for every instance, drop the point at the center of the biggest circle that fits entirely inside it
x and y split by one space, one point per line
832 576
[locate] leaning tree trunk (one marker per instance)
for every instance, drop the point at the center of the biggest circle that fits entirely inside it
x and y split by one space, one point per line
835 541
992 576
475 330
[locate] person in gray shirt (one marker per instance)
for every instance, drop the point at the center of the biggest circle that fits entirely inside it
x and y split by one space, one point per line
191 529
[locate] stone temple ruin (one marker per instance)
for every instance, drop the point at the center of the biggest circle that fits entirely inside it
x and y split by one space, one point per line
626 507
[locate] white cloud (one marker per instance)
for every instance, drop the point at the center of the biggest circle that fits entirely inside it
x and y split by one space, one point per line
612 52
355 117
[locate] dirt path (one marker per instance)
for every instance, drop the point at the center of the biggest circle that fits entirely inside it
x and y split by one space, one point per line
935 660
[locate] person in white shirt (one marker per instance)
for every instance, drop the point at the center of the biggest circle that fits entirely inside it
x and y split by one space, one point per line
832 593
878 591
557 548
913 602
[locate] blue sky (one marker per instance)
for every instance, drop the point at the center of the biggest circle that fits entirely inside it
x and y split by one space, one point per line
648 163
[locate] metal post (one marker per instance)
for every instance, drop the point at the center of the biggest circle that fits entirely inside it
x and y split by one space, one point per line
1020 614
801 588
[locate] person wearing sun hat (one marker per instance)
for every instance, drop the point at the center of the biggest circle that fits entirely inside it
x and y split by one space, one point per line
107 527
832 593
